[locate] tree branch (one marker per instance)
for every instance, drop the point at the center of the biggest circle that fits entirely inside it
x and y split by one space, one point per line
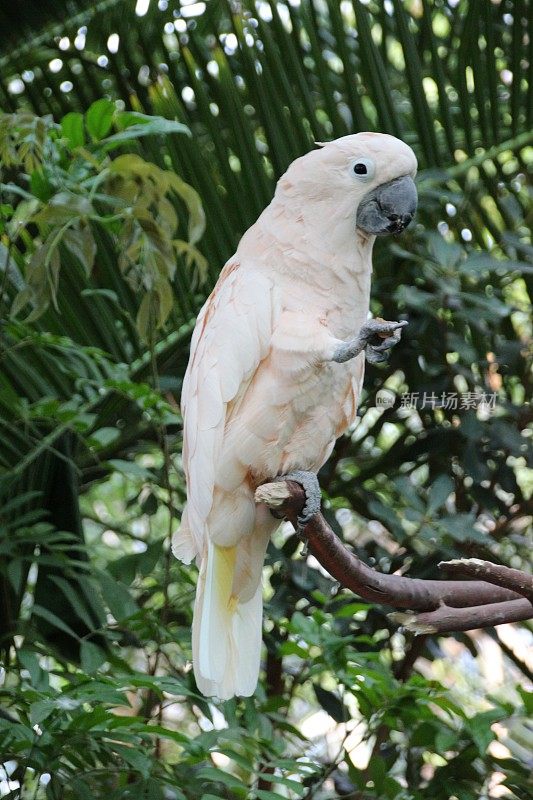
447 620
499 575
453 605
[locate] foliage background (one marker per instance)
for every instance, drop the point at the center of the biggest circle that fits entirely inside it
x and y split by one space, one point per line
104 262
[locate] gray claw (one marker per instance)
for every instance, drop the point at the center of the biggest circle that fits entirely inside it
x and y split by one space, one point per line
377 326
377 353
374 357
309 482
370 339
390 341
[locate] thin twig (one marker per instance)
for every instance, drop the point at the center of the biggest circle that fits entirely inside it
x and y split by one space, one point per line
512 656
329 769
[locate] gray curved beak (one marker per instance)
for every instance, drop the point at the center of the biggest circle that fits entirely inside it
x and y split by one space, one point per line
388 208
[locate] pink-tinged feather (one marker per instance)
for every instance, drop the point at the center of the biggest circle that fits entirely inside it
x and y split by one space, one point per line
261 396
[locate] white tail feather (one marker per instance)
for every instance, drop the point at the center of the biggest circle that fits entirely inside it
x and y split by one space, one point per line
227 634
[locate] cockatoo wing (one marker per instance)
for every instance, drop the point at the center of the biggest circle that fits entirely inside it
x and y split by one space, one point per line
231 337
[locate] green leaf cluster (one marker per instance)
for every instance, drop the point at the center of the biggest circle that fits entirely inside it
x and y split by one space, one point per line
77 193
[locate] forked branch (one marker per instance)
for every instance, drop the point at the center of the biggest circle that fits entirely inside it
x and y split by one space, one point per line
503 594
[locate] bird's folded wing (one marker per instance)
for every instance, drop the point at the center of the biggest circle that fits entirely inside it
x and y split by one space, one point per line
231 337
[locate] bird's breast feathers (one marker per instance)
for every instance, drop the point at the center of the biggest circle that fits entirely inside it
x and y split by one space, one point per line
257 398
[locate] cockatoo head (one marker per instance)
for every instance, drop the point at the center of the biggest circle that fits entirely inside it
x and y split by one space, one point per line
368 176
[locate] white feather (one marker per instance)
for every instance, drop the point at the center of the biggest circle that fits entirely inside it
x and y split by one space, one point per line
260 397
183 545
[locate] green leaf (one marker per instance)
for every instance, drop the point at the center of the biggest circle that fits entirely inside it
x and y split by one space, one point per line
152 789
527 699
99 118
116 595
38 676
483 262
130 468
150 504
350 609
332 704
24 212
220 776
461 528
140 761
151 126
125 119
81 789
480 728
378 772
293 785
91 656
388 516
80 242
194 206
64 207
41 186
15 574
53 620
73 598
73 130
150 557
41 709
290 648
439 492
145 316
104 436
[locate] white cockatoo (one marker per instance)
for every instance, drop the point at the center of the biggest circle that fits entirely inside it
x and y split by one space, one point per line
275 370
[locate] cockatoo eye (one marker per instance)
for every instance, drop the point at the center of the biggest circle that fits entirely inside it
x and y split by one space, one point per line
364 169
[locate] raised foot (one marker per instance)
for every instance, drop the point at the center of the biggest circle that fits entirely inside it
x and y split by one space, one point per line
375 338
380 335
309 482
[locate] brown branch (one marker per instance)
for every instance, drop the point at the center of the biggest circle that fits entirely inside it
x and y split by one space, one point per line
449 601
275 686
402 669
514 579
287 499
448 620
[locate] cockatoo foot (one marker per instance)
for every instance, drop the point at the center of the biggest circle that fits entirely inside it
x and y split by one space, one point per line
309 482
375 338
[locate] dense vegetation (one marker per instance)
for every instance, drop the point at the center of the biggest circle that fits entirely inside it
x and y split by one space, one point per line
137 143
